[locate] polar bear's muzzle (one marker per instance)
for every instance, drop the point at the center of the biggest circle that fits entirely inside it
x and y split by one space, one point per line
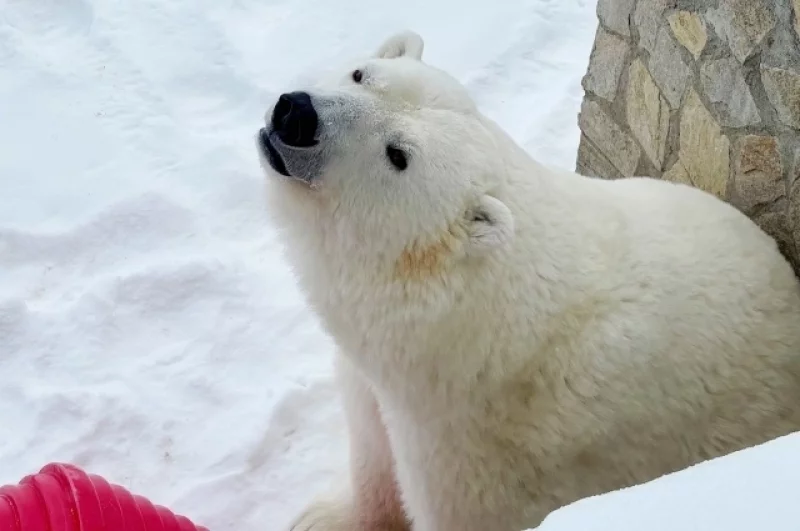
289 142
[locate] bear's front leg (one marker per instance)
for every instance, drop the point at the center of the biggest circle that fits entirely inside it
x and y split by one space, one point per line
372 501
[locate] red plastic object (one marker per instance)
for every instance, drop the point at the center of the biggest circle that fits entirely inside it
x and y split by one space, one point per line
64 498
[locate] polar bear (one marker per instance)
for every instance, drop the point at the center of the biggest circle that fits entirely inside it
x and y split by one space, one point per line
512 338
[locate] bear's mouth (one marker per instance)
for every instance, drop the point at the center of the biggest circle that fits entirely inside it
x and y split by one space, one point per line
274 158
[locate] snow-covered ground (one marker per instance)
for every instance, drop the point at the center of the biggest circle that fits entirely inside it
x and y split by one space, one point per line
150 330
751 490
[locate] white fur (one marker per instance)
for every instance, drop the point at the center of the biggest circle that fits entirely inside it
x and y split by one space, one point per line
514 338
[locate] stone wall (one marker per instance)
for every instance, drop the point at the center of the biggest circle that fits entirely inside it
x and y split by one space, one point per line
704 92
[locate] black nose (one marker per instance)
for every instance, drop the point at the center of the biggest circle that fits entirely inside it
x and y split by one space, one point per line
295 120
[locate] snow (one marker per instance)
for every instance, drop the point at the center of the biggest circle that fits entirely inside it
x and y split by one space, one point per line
750 490
150 329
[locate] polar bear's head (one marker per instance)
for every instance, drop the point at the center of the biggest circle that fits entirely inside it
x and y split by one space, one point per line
388 164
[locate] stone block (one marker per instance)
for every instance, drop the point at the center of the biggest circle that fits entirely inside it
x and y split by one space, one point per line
648 19
690 31
704 151
743 24
724 84
776 224
678 174
794 171
793 194
781 49
794 213
796 7
605 65
648 113
783 90
593 163
615 15
758 172
609 138
669 71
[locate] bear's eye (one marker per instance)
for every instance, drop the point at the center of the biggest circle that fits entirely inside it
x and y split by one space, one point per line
358 75
396 157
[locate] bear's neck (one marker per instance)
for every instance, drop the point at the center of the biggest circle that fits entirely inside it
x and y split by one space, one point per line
441 336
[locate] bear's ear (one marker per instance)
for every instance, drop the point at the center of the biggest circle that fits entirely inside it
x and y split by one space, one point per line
490 225
404 44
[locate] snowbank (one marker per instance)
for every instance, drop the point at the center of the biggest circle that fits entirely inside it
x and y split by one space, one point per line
753 489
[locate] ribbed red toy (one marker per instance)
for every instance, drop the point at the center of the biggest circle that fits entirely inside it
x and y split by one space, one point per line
63 497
